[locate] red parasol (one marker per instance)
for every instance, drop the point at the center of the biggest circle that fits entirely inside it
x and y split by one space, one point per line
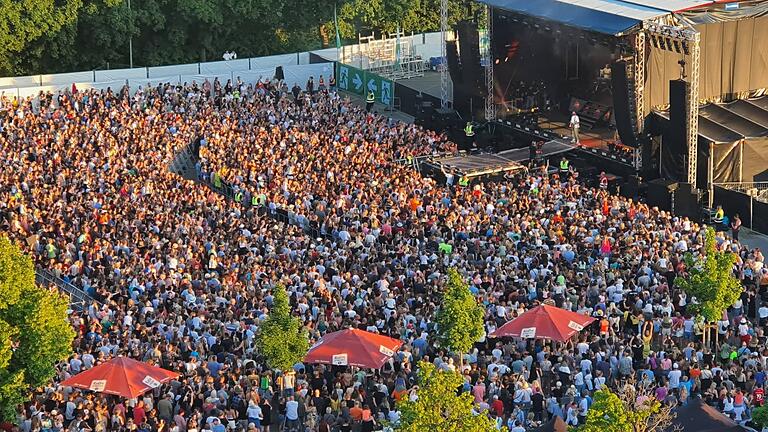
353 347
121 376
544 322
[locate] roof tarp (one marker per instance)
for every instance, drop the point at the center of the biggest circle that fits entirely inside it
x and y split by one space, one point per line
729 122
733 121
602 16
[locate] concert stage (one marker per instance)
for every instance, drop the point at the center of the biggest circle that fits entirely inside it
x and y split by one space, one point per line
485 164
615 63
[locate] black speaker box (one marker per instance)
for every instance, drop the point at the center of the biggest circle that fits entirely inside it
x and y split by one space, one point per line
279 74
660 193
686 201
631 188
674 146
622 111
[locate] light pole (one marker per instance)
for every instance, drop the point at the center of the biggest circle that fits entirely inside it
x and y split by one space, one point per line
130 41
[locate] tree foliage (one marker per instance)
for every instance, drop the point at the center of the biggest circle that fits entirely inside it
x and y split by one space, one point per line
90 34
439 407
24 22
34 332
460 317
710 279
282 340
630 410
760 416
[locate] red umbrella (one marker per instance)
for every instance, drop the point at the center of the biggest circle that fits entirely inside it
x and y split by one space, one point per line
121 376
544 322
353 347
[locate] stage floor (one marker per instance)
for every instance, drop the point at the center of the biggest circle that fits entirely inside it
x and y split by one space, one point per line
474 165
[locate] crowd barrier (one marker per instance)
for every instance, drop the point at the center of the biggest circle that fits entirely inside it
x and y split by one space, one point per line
293 74
751 211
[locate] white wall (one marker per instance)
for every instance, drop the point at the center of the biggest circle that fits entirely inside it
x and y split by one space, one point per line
295 66
120 74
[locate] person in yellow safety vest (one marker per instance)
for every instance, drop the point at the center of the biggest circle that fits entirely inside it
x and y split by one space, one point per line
238 197
469 133
254 200
369 100
216 180
719 215
463 181
564 167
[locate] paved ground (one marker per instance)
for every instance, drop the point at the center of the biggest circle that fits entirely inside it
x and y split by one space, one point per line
382 109
428 84
754 239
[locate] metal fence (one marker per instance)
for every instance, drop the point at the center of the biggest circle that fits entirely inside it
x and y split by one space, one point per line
78 299
757 190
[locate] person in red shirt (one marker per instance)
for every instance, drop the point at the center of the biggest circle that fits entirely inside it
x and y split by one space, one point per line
497 406
139 414
758 396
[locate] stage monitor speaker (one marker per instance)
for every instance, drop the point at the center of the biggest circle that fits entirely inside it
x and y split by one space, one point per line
454 68
674 145
686 201
622 109
660 193
279 74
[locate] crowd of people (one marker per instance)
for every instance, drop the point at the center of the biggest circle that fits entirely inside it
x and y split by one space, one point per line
182 276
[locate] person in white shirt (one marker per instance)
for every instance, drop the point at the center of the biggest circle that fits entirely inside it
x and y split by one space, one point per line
762 313
574 125
292 413
674 377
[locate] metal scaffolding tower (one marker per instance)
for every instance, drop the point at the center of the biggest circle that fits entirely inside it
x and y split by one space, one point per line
490 107
639 79
692 113
685 40
443 54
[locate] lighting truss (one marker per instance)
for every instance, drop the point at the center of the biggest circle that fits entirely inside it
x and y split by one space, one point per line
490 108
683 40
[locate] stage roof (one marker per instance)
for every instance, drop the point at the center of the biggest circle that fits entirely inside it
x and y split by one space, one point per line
729 122
612 17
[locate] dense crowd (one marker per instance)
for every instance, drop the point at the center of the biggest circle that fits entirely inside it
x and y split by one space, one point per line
182 276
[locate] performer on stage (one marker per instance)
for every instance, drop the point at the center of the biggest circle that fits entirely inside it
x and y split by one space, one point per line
574 125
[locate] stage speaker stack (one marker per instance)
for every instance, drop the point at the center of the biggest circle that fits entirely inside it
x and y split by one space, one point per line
674 139
452 54
622 105
631 188
686 201
279 73
660 192
469 52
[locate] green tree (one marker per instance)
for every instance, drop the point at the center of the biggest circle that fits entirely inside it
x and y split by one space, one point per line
710 279
439 407
620 412
760 416
282 340
460 317
378 16
24 22
34 332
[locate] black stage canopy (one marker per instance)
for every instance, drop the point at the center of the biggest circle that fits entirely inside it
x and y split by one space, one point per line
733 141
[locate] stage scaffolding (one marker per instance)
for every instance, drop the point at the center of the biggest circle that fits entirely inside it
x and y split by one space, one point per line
392 57
490 107
686 40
